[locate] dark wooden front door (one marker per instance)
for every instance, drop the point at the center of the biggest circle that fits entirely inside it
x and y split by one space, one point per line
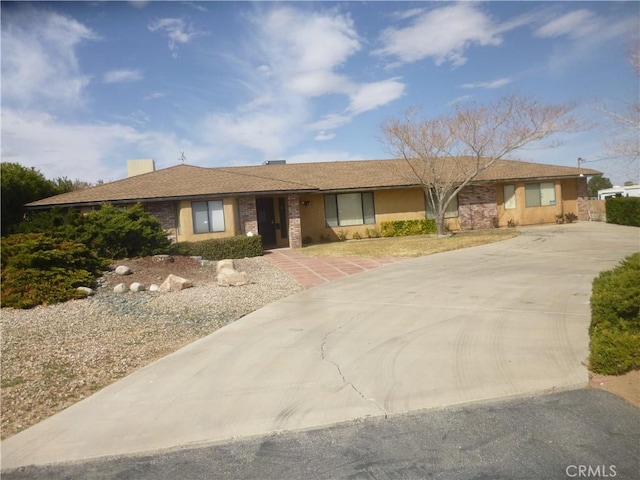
266 221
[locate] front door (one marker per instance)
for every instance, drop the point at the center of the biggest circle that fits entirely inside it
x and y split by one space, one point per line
266 221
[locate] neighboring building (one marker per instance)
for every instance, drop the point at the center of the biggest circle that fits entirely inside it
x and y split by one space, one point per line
286 203
624 191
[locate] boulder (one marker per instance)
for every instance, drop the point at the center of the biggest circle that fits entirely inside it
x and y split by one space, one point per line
174 283
231 278
224 264
86 290
153 287
123 270
120 288
136 287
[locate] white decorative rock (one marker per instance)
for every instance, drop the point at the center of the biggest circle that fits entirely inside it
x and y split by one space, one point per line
153 287
120 288
123 270
136 287
87 291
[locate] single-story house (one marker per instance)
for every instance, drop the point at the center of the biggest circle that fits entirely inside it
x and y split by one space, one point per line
619 191
290 203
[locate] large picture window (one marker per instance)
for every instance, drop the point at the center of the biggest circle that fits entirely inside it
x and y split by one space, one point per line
540 194
451 212
208 216
346 209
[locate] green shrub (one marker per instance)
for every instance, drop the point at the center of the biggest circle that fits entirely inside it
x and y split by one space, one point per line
614 352
38 269
219 249
623 210
615 319
401 228
111 232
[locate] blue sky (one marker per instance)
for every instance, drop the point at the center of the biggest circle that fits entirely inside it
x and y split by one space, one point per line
86 86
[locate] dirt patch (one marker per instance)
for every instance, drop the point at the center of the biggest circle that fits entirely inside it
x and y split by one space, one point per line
626 386
150 270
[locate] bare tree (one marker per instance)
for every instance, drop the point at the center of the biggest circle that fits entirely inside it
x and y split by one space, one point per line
445 154
625 144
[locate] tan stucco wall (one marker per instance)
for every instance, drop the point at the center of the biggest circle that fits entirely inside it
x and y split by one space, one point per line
185 229
395 204
566 195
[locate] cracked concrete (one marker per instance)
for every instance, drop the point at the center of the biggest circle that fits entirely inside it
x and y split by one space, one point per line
504 319
323 354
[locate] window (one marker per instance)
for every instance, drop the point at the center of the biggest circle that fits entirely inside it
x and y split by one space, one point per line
451 212
345 209
208 216
540 194
509 196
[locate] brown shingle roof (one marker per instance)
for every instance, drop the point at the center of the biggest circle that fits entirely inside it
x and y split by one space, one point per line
185 181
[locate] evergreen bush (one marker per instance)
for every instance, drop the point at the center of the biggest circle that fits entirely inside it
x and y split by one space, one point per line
38 270
615 319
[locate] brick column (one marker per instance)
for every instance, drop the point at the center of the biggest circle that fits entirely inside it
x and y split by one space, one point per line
248 215
295 231
582 202
165 213
477 207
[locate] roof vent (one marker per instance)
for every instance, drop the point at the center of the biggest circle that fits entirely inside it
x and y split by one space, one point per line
138 167
275 162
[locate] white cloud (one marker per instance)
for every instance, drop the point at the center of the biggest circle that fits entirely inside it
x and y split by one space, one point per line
576 24
444 33
39 62
122 76
462 98
329 122
324 136
500 82
323 156
178 32
63 149
369 96
298 57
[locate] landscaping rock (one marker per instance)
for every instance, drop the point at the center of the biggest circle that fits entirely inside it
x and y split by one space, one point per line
153 287
123 270
174 283
87 291
231 278
136 287
224 264
121 288
163 258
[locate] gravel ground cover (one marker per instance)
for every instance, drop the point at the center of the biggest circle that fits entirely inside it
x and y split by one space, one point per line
53 356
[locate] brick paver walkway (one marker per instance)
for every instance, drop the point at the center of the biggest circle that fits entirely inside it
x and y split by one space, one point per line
309 271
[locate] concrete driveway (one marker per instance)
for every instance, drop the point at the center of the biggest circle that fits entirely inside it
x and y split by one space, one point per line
499 320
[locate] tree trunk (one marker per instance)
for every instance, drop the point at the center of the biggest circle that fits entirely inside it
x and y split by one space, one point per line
440 224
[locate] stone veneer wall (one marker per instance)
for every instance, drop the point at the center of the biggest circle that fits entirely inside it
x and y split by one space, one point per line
248 215
165 212
477 207
295 231
583 199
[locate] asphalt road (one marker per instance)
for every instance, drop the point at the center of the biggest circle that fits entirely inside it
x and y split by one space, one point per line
554 436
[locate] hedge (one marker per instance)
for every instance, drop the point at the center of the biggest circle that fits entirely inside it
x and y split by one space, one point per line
401 228
219 249
623 210
615 319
